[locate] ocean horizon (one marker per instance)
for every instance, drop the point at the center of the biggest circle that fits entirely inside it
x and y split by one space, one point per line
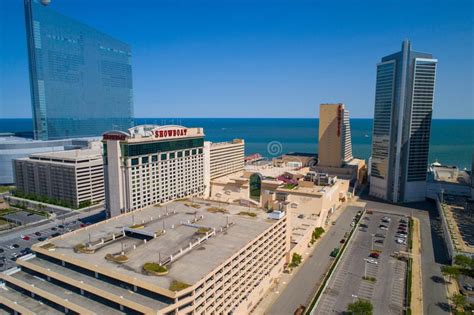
451 143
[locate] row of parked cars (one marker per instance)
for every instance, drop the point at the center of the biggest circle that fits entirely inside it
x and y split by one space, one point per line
402 232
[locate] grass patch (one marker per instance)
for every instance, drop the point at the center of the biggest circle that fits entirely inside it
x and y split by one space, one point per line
247 213
192 205
4 189
203 230
155 268
371 279
289 186
120 259
217 210
48 246
7 211
178 285
83 249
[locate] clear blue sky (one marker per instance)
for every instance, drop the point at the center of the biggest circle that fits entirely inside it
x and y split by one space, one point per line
259 58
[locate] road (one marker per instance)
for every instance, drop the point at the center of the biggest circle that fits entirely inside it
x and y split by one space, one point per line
301 289
434 254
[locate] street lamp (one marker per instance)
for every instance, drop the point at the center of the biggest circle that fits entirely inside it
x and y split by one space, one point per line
372 242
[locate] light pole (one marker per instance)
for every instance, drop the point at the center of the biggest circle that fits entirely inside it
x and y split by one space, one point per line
372 242
365 269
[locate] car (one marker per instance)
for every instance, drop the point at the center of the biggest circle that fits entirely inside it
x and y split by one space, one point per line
363 225
301 216
384 228
26 237
38 233
61 226
352 224
10 247
371 261
379 241
468 287
1 250
55 234
387 219
15 245
374 255
342 241
83 225
53 229
402 232
379 235
400 241
42 238
401 236
334 252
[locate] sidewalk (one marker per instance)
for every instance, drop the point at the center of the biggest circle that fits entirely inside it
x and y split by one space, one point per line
282 281
417 285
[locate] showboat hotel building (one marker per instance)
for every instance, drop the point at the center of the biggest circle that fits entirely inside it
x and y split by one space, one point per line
151 164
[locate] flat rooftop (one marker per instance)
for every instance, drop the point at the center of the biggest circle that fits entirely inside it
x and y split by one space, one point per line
69 155
176 219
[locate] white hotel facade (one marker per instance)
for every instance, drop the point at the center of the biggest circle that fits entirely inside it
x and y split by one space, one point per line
150 164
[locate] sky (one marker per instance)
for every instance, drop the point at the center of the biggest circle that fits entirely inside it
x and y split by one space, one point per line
279 58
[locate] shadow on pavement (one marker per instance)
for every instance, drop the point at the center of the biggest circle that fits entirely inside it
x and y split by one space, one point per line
438 279
444 306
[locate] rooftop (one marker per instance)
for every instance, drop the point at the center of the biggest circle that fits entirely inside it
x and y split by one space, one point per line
184 222
75 155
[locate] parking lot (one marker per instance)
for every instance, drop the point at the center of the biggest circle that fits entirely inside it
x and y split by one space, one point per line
368 271
13 247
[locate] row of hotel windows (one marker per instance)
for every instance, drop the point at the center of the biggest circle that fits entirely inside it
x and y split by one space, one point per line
165 156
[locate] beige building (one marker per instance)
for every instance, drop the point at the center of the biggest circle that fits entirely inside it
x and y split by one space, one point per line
226 157
335 147
74 177
151 164
212 262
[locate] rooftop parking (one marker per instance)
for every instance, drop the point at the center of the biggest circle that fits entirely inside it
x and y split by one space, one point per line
459 214
173 234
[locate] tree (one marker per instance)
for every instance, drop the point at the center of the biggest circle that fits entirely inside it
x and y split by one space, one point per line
459 301
360 307
464 261
450 271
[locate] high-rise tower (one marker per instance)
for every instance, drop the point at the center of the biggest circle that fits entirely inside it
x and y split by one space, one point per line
80 78
402 122
334 143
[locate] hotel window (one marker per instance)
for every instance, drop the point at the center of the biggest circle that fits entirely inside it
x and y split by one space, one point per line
135 161
172 155
163 157
145 160
154 158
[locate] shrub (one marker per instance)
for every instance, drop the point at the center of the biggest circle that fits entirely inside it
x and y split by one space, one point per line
155 268
203 230
178 285
247 213
295 260
120 259
217 210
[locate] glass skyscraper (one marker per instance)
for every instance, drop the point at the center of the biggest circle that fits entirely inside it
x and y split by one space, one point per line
402 122
80 78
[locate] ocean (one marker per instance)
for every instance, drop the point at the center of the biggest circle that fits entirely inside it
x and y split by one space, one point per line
451 143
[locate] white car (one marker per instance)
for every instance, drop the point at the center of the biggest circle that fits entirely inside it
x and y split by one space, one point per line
401 236
371 261
384 228
400 241
387 219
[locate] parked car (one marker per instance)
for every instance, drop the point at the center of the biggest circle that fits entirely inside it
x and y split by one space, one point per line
53 229
26 237
38 233
334 252
15 245
83 225
42 238
402 232
401 241
387 219
380 235
401 236
61 226
468 287
379 241
384 228
55 234
374 255
352 224
1 250
371 261
342 241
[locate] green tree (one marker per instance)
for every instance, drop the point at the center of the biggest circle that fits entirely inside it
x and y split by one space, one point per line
295 260
459 302
450 272
360 307
464 261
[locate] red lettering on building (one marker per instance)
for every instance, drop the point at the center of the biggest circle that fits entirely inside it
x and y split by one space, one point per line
114 137
170 133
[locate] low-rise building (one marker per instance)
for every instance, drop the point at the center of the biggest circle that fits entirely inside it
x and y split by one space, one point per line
75 177
14 147
448 180
203 258
226 157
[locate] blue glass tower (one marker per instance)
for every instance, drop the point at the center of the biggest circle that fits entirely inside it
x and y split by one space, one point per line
80 78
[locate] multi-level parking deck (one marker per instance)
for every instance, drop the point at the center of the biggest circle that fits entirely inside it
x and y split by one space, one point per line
215 257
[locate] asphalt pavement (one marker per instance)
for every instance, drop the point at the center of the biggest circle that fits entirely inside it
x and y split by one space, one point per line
301 289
